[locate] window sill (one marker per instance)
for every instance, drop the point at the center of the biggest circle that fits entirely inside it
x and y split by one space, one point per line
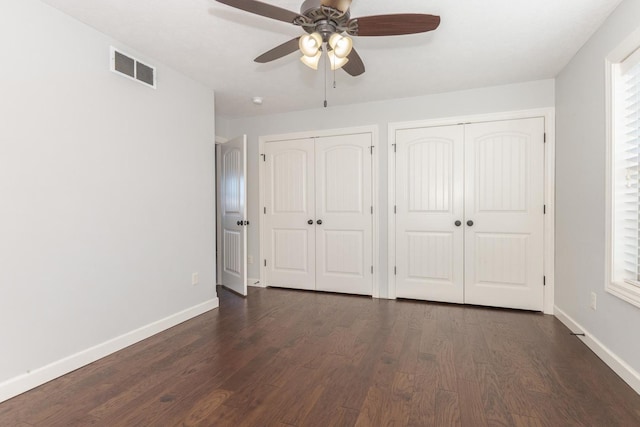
625 291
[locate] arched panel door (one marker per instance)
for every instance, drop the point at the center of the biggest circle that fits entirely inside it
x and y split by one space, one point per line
469 213
233 208
429 214
318 232
344 244
289 235
504 199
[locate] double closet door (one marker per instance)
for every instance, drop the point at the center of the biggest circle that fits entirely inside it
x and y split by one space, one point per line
469 213
318 214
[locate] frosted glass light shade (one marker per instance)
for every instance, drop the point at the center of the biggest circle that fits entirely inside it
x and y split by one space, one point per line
311 61
335 61
341 45
310 44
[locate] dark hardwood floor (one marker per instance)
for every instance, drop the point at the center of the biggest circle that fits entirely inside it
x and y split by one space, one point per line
289 358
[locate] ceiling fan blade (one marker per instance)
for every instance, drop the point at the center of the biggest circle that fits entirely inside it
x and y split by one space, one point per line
263 9
392 25
279 51
355 66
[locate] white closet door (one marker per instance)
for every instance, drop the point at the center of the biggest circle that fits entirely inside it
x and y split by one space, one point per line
504 164
289 197
233 209
429 201
344 247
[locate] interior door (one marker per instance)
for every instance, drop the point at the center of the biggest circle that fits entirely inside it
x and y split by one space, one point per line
233 208
344 214
504 199
289 236
429 213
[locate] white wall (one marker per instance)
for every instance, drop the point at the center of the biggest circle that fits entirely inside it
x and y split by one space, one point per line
106 195
580 193
523 96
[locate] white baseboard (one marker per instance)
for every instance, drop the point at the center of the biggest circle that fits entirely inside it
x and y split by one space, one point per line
27 381
255 283
619 366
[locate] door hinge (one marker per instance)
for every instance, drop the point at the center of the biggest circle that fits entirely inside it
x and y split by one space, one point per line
544 209
371 149
372 210
394 147
544 280
264 157
544 137
395 270
394 209
265 210
265 262
372 269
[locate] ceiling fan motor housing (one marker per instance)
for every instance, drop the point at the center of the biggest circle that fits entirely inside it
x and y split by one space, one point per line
326 16
342 6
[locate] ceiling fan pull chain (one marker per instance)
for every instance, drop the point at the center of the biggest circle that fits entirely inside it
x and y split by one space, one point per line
325 80
334 78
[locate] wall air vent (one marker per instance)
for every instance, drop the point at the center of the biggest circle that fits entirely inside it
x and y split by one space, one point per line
130 67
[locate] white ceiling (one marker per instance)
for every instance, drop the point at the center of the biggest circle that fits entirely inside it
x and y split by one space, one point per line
478 43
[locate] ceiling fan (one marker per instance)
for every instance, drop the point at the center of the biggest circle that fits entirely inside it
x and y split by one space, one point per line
326 21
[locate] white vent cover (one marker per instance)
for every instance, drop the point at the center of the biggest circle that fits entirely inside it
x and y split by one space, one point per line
130 67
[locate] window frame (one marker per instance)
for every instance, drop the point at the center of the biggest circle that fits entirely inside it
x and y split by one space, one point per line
620 288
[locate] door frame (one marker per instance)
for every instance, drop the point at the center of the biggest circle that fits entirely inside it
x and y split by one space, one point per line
548 114
219 140
373 130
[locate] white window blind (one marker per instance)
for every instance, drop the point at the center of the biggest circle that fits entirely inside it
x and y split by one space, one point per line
627 169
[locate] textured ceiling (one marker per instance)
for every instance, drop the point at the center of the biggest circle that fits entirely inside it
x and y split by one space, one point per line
479 43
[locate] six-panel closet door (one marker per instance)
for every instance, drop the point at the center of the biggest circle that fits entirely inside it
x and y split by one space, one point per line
318 214
469 220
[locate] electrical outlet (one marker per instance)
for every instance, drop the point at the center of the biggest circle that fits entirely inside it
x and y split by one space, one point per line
593 300
195 278
250 259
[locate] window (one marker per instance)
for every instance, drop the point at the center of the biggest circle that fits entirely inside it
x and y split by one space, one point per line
623 67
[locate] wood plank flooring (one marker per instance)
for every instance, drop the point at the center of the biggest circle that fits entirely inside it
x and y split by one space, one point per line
292 358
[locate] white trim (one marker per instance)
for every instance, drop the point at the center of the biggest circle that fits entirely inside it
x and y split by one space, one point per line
391 215
549 187
317 134
550 216
218 152
375 166
256 283
261 199
625 291
619 366
375 199
221 139
29 380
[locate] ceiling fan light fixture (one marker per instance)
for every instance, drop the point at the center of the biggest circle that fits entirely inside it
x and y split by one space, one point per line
310 44
336 61
341 45
311 61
